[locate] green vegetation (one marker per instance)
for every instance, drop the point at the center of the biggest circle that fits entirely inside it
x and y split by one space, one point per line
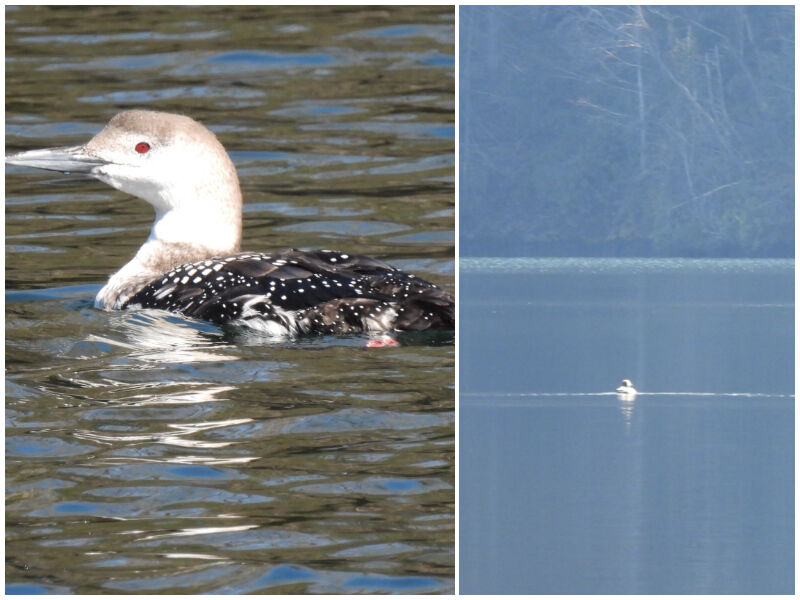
623 130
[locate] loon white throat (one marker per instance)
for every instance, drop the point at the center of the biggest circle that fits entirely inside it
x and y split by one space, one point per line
191 264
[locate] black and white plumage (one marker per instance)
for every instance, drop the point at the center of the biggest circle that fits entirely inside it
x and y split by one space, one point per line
191 264
296 292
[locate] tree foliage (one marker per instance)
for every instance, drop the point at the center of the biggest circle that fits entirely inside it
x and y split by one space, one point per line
627 129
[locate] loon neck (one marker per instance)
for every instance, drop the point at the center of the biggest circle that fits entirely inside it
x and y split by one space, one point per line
216 230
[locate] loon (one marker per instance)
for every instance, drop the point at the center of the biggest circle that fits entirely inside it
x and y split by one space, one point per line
191 262
627 387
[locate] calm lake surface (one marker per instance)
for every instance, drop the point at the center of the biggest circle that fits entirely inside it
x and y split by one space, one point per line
566 487
153 454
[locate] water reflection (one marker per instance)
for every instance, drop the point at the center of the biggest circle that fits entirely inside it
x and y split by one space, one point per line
173 438
626 404
159 337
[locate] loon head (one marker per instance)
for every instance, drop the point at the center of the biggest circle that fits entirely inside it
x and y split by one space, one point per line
171 161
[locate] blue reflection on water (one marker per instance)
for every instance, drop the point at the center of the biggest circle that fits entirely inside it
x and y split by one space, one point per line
75 507
391 583
196 471
400 485
285 574
273 57
25 589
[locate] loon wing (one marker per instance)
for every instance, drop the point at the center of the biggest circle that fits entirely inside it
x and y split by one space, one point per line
301 292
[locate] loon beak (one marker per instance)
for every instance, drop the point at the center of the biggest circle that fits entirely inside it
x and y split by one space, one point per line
74 159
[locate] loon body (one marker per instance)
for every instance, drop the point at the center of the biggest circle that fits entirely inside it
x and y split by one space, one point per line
626 388
191 263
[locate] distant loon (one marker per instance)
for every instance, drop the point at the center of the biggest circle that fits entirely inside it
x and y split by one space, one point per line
190 263
626 387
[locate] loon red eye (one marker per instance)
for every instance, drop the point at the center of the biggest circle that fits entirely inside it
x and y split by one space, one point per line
142 147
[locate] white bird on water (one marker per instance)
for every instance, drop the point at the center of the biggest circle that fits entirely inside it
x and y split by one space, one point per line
627 388
191 264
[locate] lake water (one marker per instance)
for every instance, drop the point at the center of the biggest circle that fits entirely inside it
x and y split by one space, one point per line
566 487
153 454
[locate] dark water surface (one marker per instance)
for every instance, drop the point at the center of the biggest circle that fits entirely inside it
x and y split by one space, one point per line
152 454
567 487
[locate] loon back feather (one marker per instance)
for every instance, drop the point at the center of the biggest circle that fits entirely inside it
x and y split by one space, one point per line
307 292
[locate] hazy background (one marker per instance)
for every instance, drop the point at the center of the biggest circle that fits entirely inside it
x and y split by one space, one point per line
620 130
